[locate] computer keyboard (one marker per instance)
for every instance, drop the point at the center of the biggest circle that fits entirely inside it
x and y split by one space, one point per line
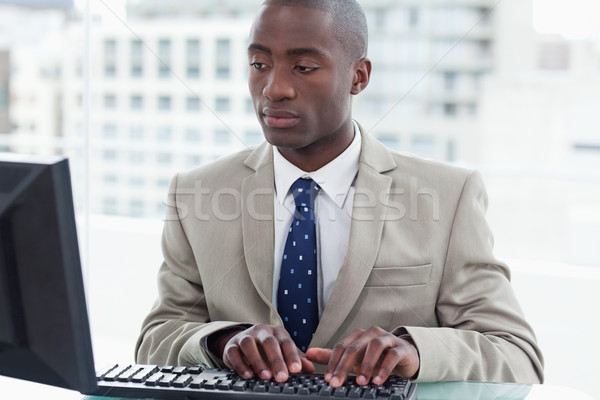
151 381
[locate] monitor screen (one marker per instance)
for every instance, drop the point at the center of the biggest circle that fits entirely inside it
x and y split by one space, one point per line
44 329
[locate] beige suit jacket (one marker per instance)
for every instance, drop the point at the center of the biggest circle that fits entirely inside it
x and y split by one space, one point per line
419 260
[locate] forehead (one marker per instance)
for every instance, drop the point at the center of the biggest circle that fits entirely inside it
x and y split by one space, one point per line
281 28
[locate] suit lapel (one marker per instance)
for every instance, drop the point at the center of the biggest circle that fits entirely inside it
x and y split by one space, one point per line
257 223
368 216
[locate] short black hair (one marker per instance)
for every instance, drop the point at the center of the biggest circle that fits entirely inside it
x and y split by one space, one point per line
349 22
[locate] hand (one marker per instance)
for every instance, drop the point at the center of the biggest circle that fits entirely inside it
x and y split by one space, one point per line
266 350
372 353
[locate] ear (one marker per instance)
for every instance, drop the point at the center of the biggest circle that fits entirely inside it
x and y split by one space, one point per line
361 75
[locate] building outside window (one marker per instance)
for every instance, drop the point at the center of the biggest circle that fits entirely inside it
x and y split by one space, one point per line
164 58
137 58
193 50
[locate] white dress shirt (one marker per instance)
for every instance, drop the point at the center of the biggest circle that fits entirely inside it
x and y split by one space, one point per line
333 209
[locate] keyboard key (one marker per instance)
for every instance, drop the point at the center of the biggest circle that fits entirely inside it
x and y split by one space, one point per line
275 388
224 385
240 386
127 375
355 392
180 370
197 383
326 391
260 388
114 374
182 381
102 373
212 384
144 373
154 379
196 369
369 393
303 391
167 380
289 388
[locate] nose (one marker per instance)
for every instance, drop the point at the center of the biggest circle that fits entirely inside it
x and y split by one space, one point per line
279 85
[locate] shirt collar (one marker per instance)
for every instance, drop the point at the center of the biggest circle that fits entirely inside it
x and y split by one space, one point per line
334 178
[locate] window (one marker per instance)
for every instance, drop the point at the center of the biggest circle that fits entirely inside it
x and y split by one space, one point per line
164 58
192 135
109 131
222 136
136 208
423 146
136 157
223 58
164 103
222 104
136 132
137 181
109 206
390 141
162 184
137 58
164 158
193 161
192 103
450 109
450 81
193 58
110 179
110 57
136 102
379 19
164 133
109 155
110 101
413 17
249 106
253 137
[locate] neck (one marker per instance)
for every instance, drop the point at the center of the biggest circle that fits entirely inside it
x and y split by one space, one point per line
317 155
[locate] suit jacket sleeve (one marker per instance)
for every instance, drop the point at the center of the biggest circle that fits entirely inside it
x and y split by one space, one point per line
483 334
179 320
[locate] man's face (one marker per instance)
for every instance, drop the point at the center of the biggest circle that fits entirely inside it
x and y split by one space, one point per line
299 79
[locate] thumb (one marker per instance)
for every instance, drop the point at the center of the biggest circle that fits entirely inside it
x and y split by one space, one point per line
318 355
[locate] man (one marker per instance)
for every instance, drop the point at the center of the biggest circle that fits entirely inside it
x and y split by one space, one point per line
404 280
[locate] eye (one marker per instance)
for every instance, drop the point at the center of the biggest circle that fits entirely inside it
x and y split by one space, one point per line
258 66
303 68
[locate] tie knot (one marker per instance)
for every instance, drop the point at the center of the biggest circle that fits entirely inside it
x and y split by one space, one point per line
304 192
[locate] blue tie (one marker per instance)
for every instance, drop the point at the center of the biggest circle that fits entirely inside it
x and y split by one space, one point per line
297 294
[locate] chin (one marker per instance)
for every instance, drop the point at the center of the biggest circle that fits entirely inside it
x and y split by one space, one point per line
284 138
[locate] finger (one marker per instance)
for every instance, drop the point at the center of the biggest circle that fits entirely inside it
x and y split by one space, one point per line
375 351
350 359
318 355
233 358
272 350
338 352
307 366
409 361
291 354
388 363
249 349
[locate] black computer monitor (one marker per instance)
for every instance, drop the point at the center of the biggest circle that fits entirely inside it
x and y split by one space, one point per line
44 329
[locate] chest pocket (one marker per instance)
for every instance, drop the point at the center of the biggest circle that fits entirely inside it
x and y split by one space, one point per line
412 275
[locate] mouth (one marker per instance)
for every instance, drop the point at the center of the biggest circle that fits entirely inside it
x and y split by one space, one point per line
280 118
